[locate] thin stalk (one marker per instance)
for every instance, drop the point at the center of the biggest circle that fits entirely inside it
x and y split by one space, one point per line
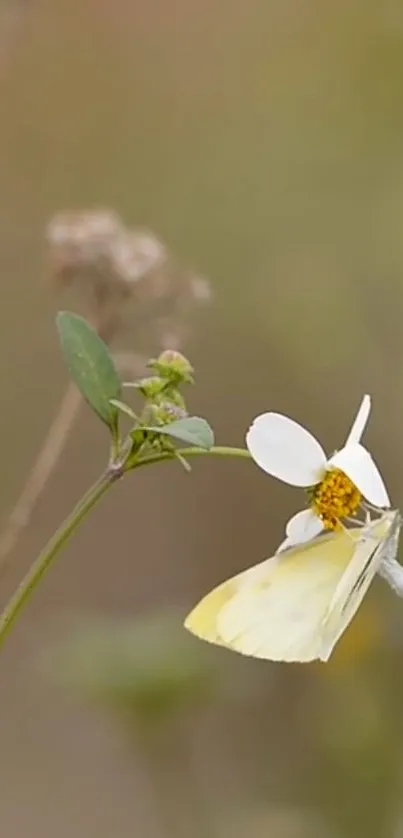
46 558
49 554
42 470
106 323
216 451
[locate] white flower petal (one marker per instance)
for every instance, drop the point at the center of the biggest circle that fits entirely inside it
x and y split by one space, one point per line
303 526
286 450
360 421
358 465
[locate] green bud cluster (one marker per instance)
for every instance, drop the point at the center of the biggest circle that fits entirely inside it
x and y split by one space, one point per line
173 367
163 401
164 413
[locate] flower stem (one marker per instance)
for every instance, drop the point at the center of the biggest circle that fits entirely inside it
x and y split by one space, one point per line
215 451
47 557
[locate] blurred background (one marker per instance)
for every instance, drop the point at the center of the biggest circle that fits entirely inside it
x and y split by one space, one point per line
233 171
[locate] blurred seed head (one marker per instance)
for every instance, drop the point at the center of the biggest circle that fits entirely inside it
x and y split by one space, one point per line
89 232
99 241
81 239
133 254
200 289
97 254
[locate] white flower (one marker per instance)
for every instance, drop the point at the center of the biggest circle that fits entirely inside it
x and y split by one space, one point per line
286 450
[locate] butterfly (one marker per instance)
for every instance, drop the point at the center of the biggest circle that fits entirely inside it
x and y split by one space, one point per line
296 605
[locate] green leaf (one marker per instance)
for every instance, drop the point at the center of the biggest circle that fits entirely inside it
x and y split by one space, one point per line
90 365
124 408
193 430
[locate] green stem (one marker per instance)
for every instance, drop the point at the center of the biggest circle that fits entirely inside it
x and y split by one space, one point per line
216 451
47 557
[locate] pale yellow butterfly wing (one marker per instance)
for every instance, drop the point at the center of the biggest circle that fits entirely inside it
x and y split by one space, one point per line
202 621
275 610
358 576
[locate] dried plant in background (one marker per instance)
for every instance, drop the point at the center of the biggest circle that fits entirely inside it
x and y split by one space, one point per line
13 18
122 277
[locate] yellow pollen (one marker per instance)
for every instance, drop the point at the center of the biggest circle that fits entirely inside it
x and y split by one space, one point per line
336 498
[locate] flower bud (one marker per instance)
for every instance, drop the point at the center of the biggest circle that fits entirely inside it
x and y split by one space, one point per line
166 412
173 395
173 366
151 387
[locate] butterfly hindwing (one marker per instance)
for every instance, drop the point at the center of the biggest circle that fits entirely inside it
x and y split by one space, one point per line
276 609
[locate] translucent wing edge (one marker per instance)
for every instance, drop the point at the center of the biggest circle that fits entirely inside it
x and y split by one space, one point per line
357 578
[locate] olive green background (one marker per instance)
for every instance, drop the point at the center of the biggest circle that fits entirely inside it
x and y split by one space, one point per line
263 141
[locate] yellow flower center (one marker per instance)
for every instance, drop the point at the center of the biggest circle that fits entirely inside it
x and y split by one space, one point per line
336 498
